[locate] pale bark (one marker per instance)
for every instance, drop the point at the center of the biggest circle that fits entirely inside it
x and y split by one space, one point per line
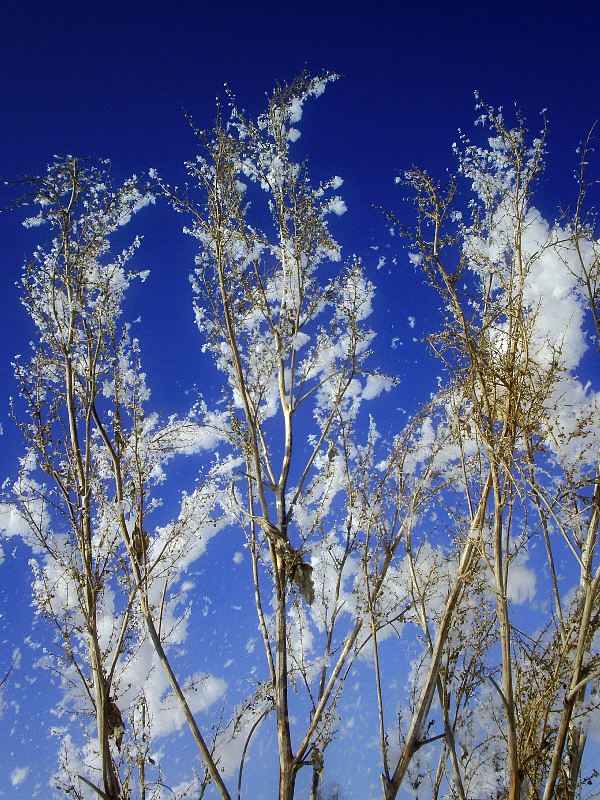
413 740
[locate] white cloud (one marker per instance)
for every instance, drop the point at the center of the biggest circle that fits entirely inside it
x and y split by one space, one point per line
521 582
238 557
337 205
18 775
375 385
201 692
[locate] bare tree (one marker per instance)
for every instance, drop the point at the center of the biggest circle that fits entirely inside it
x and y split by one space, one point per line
73 293
510 355
353 542
293 347
262 296
102 579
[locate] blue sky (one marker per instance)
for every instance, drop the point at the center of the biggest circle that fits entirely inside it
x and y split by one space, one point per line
112 80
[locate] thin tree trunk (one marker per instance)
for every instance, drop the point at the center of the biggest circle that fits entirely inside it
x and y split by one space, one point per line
567 728
413 742
500 579
151 627
178 692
